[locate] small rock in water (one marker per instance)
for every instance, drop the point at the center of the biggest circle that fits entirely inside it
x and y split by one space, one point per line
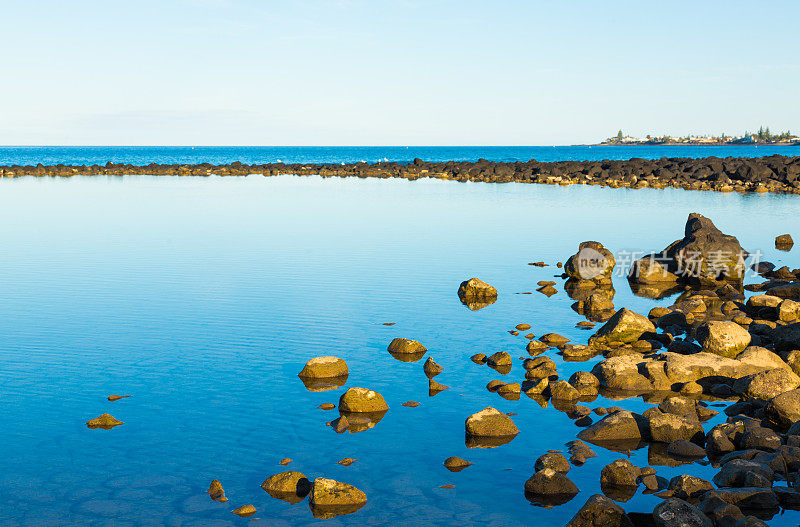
104 421
548 487
784 242
388 323
435 387
403 346
478 358
448 486
530 336
330 498
548 290
285 461
584 324
410 404
456 464
216 491
341 424
113 398
600 511
553 339
244 511
431 368
347 461
514 332
360 400
324 367
554 461
490 422
684 448
326 406
290 486
523 327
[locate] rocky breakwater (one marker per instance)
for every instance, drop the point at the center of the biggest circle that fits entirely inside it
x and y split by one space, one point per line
767 174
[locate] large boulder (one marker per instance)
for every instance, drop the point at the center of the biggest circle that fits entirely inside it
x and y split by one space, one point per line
599 511
490 422
787 337
784 409
477 291
666 428
591 262
675 512
767 384
689 487
324 367
362 400
624 327
706 254
724 338
651 269
619 473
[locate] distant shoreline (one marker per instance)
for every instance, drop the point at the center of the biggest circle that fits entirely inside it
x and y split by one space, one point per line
776 173
696 143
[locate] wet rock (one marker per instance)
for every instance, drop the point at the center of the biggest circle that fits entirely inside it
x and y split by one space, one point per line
326 406
410 404
592 261
329 498
760 438
476 294
285 461
539 368
244 511
650 270
675 512
324 367
510 390
536 347
738 473
746 498
104 422
548 487
624 327
490 422
789 498
689 488
724 338
537 387
290 486
666 428
784 409
564 391
787 338
553 461
684 448
478 358
435 388
362 400
456 464
706 254
216 492
767 384
400 346
784 242
341 424
113 398
431 368
619 473
599 511
499 359
346 462
617 427
553 339
579 452
524 327
493 385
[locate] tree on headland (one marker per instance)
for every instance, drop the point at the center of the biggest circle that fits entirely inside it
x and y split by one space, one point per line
619 136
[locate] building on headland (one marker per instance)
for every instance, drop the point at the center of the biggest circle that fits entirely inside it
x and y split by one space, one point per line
762 137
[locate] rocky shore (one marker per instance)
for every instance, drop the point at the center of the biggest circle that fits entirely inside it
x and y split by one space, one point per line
778 174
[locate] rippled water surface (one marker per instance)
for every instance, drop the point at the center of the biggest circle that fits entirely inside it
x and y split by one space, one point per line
203 298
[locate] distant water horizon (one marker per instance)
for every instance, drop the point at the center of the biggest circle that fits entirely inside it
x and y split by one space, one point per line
217 155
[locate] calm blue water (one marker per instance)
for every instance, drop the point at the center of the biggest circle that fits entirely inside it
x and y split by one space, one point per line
144 155
203 298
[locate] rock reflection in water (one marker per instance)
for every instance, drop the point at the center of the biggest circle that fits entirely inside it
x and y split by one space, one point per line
324 385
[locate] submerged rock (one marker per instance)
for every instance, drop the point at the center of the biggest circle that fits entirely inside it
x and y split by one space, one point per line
362 400
104 422
324 367
113 398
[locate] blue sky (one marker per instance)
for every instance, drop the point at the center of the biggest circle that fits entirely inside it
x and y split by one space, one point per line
247 72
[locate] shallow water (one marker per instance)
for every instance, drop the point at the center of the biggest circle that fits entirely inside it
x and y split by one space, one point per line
144 155
203 298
